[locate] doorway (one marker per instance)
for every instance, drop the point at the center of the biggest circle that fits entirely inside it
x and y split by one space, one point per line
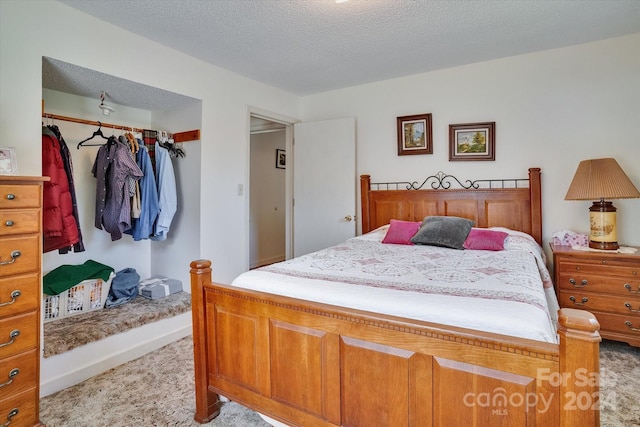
268 207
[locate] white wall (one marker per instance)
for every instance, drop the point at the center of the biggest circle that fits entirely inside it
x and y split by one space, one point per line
267 200
552 109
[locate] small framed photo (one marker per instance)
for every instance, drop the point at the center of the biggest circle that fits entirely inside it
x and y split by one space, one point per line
8 161
414 135
281 159
472 141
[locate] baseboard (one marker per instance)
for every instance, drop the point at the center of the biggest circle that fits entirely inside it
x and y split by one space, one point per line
72 367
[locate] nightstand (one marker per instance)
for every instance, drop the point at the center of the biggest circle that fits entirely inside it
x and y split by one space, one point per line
606 284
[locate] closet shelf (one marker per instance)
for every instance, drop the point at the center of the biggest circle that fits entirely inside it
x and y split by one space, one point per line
190 135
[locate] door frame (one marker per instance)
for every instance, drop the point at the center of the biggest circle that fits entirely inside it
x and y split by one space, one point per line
288 122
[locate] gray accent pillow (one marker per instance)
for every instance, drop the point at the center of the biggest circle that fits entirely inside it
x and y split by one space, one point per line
445 231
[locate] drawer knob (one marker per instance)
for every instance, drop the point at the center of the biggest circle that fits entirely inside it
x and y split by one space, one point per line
14 256
12 337
634 310
13 373
575 284
628 287
9 223
630 326
14 295
12 413
11 196
582 302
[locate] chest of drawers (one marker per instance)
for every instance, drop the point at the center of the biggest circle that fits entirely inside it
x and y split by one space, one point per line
606 284
20 299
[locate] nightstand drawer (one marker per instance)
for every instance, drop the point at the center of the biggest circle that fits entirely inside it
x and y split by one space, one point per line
598 283
598 302
18 373
599 267
628 325
19 294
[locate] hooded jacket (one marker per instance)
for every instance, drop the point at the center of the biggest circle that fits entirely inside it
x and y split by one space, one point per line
58 223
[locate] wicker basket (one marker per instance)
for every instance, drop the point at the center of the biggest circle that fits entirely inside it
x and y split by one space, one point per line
86 296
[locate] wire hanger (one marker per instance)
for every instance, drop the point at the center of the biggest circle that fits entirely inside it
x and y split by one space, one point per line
96 133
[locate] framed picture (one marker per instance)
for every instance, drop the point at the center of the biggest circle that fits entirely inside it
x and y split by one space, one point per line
472 141
8 161
414 135
281 159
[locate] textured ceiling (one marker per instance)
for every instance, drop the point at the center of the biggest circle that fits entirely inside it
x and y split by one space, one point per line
311 46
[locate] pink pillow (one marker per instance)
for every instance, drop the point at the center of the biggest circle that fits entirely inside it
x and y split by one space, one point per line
487 240
401 232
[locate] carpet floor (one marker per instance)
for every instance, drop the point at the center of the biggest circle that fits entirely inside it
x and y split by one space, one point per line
157 390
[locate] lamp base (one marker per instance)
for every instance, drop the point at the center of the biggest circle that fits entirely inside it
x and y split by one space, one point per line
604 245
602 217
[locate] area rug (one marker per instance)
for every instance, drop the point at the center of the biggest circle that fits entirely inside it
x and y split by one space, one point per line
157 390
71 332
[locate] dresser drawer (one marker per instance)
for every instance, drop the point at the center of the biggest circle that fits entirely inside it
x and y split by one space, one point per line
23 406
18 334
628 325
18 373
598 302
27 249
19 222
19 196
611 285
19 294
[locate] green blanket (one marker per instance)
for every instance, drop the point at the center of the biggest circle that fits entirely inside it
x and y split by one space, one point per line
66 276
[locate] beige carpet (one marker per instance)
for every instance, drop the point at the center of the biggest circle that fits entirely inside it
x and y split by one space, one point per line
71 332
157 390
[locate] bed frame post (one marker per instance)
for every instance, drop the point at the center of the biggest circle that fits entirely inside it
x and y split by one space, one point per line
365 185
208 404
535 195
579 353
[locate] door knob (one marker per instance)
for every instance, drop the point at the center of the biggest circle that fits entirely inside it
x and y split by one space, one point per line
348 218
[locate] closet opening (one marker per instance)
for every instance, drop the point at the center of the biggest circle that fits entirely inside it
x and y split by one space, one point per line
70 90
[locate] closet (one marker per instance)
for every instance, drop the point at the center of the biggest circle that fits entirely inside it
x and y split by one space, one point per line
149 258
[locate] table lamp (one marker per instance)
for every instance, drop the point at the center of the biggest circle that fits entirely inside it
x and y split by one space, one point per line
601 179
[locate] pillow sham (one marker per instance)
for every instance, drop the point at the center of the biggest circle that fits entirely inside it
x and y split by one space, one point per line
485 240
401 232
445 231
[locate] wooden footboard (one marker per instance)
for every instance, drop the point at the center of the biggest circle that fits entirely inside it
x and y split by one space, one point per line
309 364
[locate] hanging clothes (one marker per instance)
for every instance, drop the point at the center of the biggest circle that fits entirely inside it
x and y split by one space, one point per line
58 223
167 194
142 227
68 167
149 138
112 169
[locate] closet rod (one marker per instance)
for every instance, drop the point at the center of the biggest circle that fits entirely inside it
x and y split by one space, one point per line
190 135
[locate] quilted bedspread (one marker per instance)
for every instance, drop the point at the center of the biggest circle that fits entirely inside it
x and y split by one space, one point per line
506 292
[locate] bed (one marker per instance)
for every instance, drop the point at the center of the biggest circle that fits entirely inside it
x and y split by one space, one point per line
353 362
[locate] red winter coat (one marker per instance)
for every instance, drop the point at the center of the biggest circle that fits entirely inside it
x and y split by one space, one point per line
59 225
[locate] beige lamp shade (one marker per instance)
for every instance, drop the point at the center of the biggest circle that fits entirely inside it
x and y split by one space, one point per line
601 179
596 180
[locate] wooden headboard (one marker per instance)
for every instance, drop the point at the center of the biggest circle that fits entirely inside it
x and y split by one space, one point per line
511 203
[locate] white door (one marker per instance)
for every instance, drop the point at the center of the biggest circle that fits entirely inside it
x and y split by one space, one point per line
324 184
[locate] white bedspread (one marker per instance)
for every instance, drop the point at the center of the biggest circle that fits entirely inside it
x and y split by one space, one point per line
502 292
